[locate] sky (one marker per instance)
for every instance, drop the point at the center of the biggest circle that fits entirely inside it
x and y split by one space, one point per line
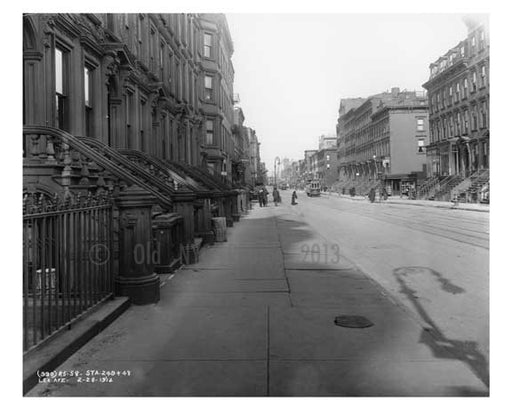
292 69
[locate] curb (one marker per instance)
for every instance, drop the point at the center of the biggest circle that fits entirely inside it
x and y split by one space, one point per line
440 206
48 356
391 201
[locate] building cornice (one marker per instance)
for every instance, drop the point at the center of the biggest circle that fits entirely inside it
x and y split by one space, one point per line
458 66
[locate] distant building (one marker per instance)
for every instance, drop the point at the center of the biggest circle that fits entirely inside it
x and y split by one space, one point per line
309 163
346 104
326 142
458 90
240 162
254 157
326 170
383 141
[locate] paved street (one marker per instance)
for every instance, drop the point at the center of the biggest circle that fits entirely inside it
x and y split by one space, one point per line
434 261
255 317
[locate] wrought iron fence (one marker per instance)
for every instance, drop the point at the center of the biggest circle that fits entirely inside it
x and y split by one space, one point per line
67 263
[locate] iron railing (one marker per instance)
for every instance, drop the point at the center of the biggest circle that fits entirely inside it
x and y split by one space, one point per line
67 263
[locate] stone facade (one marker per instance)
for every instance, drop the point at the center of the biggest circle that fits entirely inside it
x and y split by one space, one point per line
119 103
383 141
135 81
458 90
217 101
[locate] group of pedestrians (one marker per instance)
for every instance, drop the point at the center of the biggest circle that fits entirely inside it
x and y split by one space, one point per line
276 196
372 195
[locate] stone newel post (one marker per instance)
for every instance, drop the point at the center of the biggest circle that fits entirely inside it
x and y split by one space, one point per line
137 255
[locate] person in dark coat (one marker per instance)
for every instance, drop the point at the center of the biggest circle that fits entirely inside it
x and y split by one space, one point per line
371 195
276 196
265 196
294 198
260 197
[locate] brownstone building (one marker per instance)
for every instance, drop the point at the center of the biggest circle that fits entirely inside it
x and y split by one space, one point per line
125 119
161 84
458 90
217 101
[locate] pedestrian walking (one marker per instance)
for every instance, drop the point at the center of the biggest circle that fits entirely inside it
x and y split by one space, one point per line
260 197
294 198
276 196
371 195
265 196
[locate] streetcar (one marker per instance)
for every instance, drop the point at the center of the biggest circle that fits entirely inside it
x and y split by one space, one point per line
313 188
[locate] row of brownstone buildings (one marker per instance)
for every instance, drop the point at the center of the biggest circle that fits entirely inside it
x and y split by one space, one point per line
134 152
161 84
425 145
431 146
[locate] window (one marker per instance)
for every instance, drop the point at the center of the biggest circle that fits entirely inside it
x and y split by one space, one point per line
190 86
161 61
462 51
483 76
457 124
421 145
465 127
152 49
142 123
139 34
61 102
457 92
420 124
450 125
465 88
474 122
209 132
177 77
181 85
185 83
207 45
473 81
128 119
208 88
483 115
482 40
88 81
450 93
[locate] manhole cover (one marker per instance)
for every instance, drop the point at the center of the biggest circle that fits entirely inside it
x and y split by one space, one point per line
352 321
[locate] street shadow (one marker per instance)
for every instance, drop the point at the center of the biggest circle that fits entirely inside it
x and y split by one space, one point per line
440 345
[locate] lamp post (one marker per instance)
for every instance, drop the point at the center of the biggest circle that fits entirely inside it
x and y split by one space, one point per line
277 161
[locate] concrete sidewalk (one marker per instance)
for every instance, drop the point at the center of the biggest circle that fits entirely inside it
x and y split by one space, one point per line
416 202
255 317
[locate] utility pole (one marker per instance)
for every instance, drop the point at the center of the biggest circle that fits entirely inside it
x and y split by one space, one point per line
277 161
